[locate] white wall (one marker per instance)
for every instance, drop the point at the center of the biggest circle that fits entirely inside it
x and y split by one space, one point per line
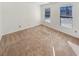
15 14
55 18
0 20
28 15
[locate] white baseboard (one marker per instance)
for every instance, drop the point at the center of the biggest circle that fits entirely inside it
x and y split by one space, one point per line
0 36
20 29
60 30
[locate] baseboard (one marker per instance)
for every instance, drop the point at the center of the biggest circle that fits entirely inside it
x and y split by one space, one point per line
60 31
35 26
0 36
19 30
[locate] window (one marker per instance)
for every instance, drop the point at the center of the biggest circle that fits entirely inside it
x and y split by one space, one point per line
66 16
66 12
47 13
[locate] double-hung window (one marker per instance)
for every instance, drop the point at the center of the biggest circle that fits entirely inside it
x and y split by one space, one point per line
47 15
66 16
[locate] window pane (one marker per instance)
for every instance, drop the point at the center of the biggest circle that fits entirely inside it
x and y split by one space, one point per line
66 16
47 13
66 11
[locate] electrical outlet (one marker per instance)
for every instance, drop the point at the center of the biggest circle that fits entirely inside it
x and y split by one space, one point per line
75 31
20 26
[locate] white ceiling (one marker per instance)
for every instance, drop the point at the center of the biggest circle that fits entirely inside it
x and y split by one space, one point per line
40 3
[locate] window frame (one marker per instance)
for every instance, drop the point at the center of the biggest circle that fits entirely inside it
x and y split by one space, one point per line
66 16
47 11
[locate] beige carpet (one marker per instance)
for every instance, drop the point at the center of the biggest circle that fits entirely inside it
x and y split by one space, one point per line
37 41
